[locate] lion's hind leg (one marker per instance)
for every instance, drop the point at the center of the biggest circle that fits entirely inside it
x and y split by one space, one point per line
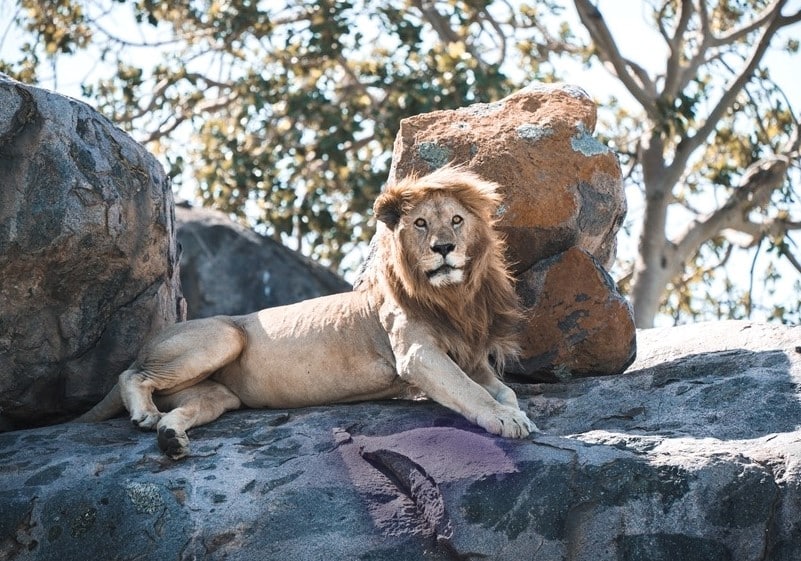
191 407
181 356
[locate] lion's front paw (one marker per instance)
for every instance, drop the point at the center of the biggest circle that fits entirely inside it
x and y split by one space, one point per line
174 444
507 422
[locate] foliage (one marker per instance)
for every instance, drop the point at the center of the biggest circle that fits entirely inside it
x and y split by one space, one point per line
287 111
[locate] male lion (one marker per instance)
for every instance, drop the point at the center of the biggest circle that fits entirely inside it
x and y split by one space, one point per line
434 302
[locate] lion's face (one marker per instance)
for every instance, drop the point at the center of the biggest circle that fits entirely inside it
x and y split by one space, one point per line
440 232
436 235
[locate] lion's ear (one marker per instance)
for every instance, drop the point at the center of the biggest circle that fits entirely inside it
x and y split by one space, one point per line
388 208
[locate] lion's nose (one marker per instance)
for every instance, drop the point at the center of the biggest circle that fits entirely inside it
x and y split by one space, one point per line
443 248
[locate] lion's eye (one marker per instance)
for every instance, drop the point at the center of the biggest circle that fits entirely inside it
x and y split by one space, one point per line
420 223
456 220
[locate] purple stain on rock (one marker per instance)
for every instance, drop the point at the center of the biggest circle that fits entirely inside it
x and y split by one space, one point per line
444 454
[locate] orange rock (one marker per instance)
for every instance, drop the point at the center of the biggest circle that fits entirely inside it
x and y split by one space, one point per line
578 323
561 186
563 206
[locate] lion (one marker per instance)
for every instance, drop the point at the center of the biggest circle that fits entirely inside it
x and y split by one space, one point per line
431 307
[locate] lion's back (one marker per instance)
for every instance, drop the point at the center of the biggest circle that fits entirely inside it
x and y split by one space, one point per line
314 352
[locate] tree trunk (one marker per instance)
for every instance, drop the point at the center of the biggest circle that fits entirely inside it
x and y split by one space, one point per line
656 262
653 269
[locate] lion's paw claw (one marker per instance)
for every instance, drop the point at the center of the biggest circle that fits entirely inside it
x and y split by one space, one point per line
508 422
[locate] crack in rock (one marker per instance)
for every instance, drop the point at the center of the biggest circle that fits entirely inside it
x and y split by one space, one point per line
420 487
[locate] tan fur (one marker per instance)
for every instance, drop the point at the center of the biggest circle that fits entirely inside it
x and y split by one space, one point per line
434 303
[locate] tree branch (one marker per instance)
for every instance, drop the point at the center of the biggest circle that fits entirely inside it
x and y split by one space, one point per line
689 144
675 43
660 22
775 228
209 106
499 33
355 82
158 90
759 181
637 82
749 303
793 261
790 20
444 30
742 31
690 70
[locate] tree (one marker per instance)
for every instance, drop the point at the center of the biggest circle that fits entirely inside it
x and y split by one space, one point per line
712 127
286 110
283 113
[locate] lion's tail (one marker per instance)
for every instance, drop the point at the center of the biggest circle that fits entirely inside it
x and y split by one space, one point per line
110 406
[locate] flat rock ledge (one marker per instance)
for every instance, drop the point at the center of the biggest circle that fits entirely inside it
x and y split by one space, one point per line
693 454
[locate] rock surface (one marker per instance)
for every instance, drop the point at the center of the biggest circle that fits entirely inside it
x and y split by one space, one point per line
88 257
580 324
229 269
562 192
693 454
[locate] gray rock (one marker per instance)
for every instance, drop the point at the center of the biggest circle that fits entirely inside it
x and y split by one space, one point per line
88 257
693 454
229 269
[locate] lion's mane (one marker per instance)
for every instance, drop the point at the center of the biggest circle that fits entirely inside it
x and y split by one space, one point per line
473 319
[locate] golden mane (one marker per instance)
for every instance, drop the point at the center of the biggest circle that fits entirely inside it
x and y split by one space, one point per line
478 317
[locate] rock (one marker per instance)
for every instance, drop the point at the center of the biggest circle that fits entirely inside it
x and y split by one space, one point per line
88 257
580 324
229 269
562 191
561 186
693 454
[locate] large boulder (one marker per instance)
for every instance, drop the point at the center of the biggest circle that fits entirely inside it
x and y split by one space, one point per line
693 454
88 256
229 269
563 204
579 324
